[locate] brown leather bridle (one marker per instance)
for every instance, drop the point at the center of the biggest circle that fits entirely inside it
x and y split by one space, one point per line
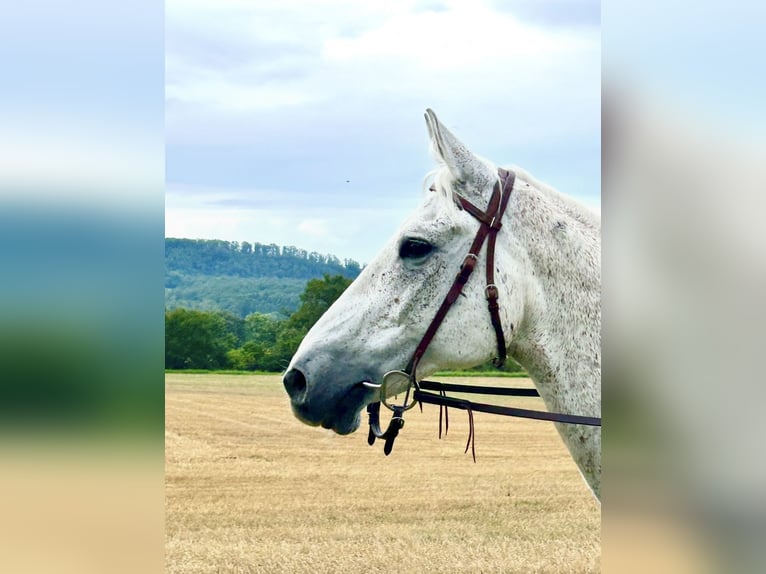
490 222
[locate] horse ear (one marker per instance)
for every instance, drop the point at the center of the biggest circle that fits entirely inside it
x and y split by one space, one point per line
464 166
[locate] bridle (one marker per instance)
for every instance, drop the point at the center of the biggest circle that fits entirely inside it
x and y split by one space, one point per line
490 222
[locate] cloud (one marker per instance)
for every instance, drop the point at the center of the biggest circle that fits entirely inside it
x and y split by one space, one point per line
318 106
469 36
401 48
317 228
553 13
357 230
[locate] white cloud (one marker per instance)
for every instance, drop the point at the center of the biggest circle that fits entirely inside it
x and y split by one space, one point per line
471 35
243 57
220 92
273 106
314 228
356 231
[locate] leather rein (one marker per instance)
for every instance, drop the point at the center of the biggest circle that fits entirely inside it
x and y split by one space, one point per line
490 222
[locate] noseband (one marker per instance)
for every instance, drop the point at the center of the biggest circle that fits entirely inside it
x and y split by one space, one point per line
490 222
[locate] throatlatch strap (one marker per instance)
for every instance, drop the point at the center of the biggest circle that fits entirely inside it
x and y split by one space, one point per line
492 291
491 221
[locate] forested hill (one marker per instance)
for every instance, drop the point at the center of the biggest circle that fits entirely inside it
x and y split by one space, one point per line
216 257
243 278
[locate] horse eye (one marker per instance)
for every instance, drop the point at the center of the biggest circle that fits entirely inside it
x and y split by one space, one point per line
415 249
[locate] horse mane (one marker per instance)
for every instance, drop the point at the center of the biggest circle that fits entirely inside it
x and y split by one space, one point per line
443 182
570 206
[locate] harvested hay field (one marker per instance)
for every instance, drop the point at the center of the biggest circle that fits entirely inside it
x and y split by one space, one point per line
251 489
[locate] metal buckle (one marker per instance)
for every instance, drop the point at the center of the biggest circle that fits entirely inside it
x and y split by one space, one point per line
394 383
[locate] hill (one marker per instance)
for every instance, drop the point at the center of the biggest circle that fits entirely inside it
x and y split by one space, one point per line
243 278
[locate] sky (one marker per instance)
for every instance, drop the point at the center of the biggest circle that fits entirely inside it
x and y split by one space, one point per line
301 123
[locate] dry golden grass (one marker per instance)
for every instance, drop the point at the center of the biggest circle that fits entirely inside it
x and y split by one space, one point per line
251 489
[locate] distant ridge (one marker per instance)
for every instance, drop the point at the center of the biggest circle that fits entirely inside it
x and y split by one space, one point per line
243 277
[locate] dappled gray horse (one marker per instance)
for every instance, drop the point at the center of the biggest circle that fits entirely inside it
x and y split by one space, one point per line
547 274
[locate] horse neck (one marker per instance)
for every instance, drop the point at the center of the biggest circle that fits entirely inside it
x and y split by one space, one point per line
558 340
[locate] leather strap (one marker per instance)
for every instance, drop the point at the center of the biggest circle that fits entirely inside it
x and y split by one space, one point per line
492 291
442 400
390 434
490 222
478 389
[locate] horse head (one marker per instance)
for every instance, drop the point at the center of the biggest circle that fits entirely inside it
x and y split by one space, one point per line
375 326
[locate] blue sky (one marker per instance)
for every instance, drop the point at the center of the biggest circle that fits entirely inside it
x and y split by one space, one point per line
301 123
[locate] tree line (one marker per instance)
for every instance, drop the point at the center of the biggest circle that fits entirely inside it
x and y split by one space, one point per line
215 340
243 278
238 295
244 259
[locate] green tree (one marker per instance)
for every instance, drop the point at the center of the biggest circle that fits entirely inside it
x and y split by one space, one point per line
288 340
197 340
249 357
316 299
261 328
260 333
234 325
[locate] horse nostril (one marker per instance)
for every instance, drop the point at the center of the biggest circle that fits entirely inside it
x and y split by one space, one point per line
295 383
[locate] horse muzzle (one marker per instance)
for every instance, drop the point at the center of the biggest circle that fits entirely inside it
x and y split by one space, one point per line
318 405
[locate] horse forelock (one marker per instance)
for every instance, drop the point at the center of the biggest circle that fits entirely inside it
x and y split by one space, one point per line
441 181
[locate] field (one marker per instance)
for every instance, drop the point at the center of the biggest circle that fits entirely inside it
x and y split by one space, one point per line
251 489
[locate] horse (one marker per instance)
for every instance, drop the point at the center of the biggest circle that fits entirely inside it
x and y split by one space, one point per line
547 277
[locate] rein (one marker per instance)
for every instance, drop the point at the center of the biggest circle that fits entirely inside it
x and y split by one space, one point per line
490 223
